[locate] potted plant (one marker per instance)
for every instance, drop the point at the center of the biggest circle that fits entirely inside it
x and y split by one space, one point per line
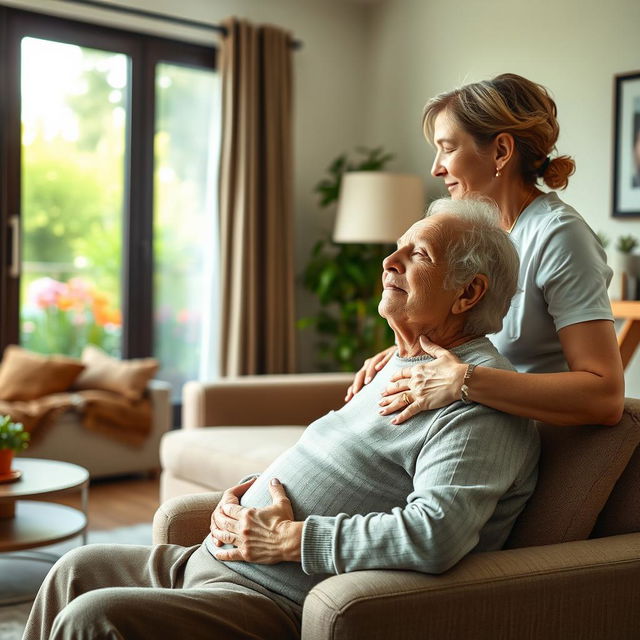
13 438
345 278
625 266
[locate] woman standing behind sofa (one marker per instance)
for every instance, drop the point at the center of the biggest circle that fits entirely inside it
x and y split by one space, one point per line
494 138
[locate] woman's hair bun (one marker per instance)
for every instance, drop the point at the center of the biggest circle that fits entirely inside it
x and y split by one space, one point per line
556 175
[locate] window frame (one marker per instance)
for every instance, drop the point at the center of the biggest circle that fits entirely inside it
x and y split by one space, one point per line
145 52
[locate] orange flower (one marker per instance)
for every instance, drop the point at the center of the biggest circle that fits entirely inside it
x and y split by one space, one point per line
104 315
115 317
100 299
65 303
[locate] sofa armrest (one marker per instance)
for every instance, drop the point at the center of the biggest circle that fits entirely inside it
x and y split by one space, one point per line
267 400
184 520
585 589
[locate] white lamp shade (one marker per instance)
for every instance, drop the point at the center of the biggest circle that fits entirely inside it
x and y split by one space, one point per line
377 207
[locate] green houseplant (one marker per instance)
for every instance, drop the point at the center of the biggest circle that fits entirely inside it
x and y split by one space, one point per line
626 244
13 438
346 280
625 266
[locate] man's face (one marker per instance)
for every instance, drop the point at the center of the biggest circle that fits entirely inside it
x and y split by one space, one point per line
413 279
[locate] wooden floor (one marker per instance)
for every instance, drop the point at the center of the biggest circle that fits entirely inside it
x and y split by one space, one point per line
118 502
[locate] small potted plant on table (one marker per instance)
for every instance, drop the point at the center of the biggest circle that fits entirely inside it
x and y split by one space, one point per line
626 267
13 438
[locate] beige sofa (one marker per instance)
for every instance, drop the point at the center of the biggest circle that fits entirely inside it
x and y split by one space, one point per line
273 411
571 569
67 440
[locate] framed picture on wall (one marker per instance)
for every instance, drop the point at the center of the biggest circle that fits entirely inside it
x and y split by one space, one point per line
626 147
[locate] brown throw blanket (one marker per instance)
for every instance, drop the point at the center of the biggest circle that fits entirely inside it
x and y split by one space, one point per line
102 411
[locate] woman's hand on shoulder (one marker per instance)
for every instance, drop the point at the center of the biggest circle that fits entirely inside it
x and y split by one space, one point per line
368 371
425 386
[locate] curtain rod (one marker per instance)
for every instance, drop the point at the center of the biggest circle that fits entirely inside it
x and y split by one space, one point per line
143 13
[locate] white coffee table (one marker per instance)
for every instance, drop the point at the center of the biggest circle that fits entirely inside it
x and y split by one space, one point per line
27 523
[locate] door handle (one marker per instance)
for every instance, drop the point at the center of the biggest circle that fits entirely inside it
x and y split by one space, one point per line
14 267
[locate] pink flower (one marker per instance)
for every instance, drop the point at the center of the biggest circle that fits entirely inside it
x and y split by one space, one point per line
80 290
45 292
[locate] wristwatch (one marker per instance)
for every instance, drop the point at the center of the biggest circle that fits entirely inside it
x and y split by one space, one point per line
464 389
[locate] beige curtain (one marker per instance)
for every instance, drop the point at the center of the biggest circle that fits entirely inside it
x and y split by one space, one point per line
257 320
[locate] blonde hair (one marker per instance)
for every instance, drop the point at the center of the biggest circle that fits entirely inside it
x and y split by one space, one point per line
508 104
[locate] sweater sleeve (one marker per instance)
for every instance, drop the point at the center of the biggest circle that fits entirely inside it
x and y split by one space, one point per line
471 457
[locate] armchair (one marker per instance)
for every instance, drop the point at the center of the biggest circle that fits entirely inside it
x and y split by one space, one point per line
571 569
585 589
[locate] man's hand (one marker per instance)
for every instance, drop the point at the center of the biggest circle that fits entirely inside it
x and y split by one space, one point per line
265 536
231 496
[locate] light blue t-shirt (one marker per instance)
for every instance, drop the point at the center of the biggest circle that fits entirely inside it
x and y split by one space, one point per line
563 280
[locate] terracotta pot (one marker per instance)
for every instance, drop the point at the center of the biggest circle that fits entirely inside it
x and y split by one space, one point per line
6 458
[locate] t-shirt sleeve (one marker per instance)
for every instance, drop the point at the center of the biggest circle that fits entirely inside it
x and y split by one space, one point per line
573 274
472 458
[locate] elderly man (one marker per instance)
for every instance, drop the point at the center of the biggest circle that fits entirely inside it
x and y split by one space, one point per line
355 492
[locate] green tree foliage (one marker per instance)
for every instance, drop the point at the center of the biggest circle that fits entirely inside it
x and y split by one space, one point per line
346 280
94 105
72 205
187 101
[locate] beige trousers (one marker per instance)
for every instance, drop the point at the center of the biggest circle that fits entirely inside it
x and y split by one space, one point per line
166 591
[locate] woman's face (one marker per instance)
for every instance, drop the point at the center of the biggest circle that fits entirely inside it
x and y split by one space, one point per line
464 168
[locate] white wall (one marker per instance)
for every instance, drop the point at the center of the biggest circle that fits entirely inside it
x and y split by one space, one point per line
574 47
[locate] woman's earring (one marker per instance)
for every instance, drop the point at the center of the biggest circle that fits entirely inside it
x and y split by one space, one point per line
498 173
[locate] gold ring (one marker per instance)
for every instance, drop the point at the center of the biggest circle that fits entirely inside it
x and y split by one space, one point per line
405 399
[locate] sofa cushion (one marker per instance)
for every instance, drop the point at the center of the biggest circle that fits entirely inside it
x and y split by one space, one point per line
125 377
28 376
621 514
219 457
579 467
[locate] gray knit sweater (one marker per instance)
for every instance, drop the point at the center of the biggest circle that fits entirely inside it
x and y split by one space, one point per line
416 496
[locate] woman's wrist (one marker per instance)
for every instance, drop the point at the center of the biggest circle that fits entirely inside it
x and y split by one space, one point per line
466 381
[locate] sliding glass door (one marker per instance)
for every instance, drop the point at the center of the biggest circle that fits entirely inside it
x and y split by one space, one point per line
108 171
74 114
185 215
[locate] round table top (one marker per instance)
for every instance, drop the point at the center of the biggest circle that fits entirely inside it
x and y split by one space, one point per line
41 476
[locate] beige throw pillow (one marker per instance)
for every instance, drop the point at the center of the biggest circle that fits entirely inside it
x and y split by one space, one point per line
25 375
126 377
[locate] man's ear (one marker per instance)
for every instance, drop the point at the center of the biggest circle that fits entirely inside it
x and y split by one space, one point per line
504 148
471 294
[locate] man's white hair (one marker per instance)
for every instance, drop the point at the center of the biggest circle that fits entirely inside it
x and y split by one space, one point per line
481 247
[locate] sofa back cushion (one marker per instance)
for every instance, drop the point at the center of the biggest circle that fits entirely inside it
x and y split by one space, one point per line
621 514
287 399
28 376
579 466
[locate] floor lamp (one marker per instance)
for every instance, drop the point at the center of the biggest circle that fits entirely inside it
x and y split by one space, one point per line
376 208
